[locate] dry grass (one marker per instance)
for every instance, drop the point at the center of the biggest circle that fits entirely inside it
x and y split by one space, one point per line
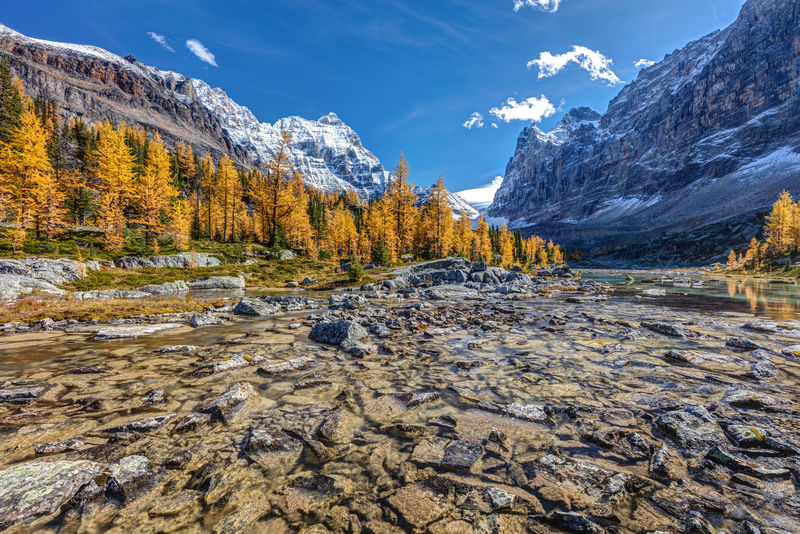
33 309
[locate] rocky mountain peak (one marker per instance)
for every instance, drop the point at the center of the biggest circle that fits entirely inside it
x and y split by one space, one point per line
709 136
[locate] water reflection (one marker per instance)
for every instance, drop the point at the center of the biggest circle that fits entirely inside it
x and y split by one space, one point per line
776 301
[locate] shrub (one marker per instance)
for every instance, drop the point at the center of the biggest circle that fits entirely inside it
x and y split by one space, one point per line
356 271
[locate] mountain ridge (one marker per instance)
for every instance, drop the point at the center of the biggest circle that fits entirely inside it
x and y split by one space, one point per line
92 83
707 135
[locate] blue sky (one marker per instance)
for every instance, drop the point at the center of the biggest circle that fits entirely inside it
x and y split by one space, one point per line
406 75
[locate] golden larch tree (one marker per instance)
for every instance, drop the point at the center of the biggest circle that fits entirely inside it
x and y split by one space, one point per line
113 176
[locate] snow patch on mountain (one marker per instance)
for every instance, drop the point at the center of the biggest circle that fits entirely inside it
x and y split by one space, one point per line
481 197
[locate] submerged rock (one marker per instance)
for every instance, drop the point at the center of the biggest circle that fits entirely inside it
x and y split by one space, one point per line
295 365
525 412
228 404
148 424
37 489
691 428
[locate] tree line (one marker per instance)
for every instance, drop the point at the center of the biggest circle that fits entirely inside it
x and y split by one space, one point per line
781 235
56 174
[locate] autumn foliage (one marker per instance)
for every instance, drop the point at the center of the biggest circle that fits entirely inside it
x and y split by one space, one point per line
128 183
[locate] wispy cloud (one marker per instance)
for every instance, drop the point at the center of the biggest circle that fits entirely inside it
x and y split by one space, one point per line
160 39
550 6
596 64
531 109
642 63
197 48
475 121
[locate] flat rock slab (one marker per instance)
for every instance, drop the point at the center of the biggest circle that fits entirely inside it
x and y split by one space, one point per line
133 331
37 489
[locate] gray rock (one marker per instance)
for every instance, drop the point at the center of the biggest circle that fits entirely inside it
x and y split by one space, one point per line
133 331
358 349
525 412
691 428
742 343
193 421
154 397
293 366
234 362
55 447
573 522
177 348
667 329
256 307
461 454
228 404
167 288
184 260
127 476
110 294
199 320
148 424
346 302
22 395
308 281
217 283
336 332
36 489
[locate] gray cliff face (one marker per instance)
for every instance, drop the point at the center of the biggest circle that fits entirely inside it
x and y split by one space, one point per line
94 84
708 136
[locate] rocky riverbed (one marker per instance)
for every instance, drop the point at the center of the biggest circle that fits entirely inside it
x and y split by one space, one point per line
454 398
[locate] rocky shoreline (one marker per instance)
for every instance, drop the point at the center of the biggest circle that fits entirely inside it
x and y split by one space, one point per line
455 397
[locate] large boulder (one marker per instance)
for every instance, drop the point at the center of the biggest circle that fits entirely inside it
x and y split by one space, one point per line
256 307
184 260
37 489
217 282
337 332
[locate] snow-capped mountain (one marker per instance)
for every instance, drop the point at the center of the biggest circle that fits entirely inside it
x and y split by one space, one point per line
89 82
699 146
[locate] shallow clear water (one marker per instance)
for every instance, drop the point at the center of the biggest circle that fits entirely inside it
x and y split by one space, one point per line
589 360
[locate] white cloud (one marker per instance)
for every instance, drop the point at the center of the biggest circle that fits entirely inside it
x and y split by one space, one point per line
160 39
598 65
197 48
531 109
494 125
475 121
644 63
481 197
550 6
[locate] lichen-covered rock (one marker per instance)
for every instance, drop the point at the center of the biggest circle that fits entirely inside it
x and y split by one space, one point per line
37 489
199 320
